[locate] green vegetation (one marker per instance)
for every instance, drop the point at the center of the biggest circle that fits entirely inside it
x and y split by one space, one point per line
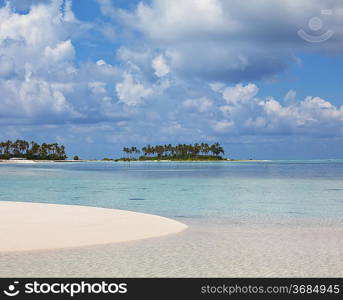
76 157
32 150
179 152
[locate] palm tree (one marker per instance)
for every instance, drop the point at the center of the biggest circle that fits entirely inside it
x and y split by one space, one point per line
134 150
35 150
217 149
180 151
23 147
7 149
44 151
145 151
32 150
126 150
137 151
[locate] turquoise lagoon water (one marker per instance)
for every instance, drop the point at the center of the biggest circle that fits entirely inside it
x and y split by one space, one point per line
184 190
264 219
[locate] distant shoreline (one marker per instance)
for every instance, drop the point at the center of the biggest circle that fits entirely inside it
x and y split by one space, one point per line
186 161
30 161
4 161
14 162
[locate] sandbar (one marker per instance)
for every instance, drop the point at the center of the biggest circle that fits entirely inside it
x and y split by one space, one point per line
26 226
17 161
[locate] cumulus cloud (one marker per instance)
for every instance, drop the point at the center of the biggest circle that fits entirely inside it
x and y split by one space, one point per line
34 46
219 40
199 105
131 92
222 126
180 72
39 79
313 115
34 97
239 93
160 66
7 67
61 52
97 87
290 96
244 113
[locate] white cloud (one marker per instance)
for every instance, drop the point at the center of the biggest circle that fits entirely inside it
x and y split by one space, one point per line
160 66
226 40
199 105
171 20
172 129
109 32
290 96
106 7
222 126
33 97
97 87
130 92
61 52
217 86
312 116
38 28
244 113
34 53
258 122
39 80
240 93
175 75
310 111
7 67
101 62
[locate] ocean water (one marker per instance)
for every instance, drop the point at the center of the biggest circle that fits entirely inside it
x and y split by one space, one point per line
272 218
184 190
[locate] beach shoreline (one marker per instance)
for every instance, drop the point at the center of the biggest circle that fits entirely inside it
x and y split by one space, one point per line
308 248
26 161
26 226
13 162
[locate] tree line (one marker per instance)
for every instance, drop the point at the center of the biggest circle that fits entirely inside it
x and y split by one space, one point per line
180 151
32 150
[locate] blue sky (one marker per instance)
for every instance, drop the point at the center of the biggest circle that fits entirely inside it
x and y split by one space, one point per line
97 75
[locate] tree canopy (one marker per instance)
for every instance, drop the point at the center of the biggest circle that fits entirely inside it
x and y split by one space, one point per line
177 152
32 150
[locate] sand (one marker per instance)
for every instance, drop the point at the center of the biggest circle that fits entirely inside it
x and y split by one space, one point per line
208 248
37 226
14 161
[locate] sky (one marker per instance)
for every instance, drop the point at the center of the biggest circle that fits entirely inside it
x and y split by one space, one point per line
261 77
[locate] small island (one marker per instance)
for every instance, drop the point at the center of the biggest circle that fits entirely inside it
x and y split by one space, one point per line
25 152
180 152
21 149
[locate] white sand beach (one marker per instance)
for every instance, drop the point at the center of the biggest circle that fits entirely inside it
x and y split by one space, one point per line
37 226
15 161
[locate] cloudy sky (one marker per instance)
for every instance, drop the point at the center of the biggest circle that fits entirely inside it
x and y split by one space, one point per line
262 77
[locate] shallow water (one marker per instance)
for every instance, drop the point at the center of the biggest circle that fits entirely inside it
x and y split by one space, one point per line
245 219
